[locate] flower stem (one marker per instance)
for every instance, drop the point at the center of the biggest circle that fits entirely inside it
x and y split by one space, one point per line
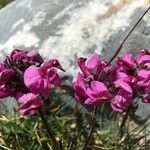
56 145
119 48
73 141
124 119
91 128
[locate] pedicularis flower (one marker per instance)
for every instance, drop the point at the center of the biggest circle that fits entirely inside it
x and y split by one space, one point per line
25 76
30 57
29 103
40 80
89 86
118 83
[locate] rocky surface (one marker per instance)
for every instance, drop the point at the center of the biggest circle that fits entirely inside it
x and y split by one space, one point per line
66 29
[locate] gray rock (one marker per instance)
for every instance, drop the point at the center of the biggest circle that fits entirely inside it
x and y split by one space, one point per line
71 28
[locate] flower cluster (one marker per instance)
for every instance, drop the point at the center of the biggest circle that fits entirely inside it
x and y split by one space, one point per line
26 77
99 81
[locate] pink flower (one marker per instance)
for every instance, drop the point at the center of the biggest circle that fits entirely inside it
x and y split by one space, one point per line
50 64
143 83
2 67
5 74
80 88
143 78
30 57
18 55
123 81
36 82
89 86
5 92
29 103
124 86
97 93
123 75
123 98
41 79
87 66
127 62
34 56
120 102
143 57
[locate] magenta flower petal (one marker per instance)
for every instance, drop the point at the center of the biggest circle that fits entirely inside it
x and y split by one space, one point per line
18 55
93 61
5 92
24 98
123 85
50 64
84 69
146 99
97 93
35 82
54 79
127 61
143 78
2 67
143 57
120 103
96 87
87 66
44 88
123 98
30 103
28 57
6 75
80 88
34 56
122 75
41 79
32 77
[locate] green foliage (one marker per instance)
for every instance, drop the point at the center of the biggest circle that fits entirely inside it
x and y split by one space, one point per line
29 133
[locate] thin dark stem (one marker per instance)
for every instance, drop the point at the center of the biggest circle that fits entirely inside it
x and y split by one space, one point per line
56 145
91 128
124 119
119 48
61 145
74 138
